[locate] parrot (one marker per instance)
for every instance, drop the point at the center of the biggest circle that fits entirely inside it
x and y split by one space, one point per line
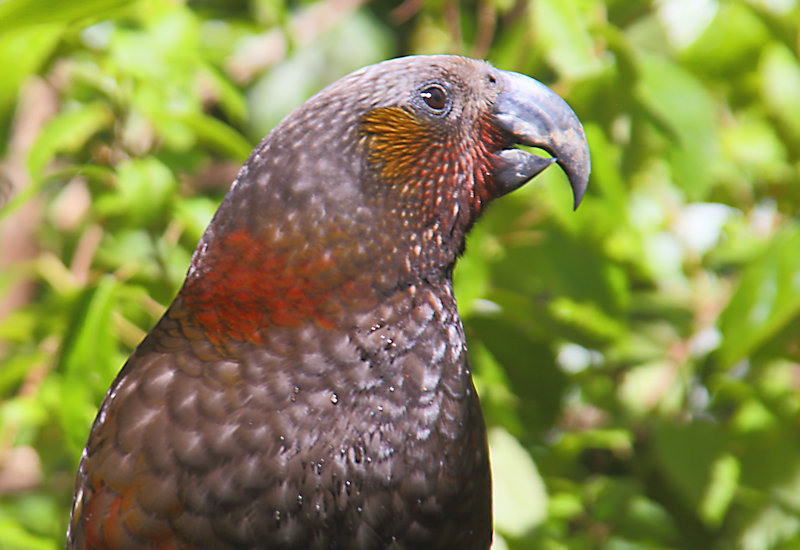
309 386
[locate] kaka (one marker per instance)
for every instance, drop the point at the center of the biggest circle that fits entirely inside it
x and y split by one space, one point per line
308 388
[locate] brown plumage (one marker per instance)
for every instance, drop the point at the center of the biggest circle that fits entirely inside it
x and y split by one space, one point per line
309 387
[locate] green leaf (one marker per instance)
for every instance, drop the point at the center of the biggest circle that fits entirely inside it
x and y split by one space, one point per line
564 37
529 364
677 101
131 250
15 537
688 454
195 213
14 369
774 523
230 98
607 180
618 441
89 358
650 521
753 144
780 86
586 318
765 300
22 416
520 497
651 386
471 277
67 132
144 188
90 344
218 135
15 14
563 265
721 489
731 44
23 53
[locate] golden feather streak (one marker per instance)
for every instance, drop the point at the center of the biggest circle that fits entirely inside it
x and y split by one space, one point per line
397 141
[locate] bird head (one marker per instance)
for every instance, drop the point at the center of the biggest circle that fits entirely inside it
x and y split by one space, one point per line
457 115
372 184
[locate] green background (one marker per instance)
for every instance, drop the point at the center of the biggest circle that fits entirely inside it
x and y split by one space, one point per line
638 360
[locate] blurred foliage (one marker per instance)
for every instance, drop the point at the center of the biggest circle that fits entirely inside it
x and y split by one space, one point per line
638 360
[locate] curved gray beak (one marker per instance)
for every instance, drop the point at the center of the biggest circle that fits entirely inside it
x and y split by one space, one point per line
532 114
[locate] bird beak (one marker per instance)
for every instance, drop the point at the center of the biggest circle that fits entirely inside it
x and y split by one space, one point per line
532 114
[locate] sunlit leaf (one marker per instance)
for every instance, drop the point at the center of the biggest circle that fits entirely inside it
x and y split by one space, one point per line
721 489
730 44
16 537
195 213
89 358
679 100
89 346
687 455
520 496
144 188
15 14
67 132
22 53
219 136
780 86
565 38
766 298
586 318
529 364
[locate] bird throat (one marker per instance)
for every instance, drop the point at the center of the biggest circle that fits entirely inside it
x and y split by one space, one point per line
430 172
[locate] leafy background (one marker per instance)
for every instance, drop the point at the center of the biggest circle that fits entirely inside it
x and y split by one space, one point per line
638 360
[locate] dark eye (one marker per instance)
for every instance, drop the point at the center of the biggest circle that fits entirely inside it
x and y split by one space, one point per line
434 97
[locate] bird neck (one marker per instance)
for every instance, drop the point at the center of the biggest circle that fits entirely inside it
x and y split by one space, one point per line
285 253
248 278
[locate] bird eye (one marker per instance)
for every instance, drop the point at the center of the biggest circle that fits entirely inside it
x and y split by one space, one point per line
434 97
